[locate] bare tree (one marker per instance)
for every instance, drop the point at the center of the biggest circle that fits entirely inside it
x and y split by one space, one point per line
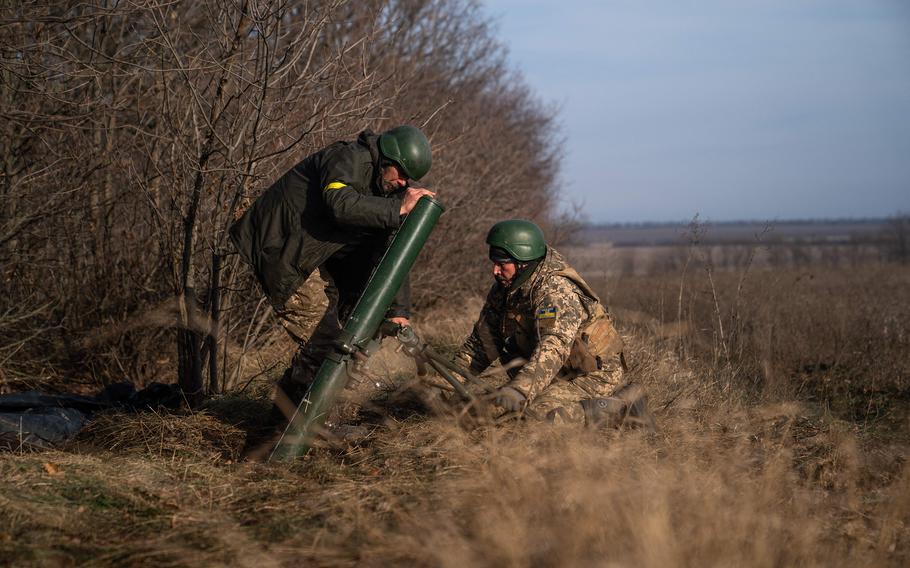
134 134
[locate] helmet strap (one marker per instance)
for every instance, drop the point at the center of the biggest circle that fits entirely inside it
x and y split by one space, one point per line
524 271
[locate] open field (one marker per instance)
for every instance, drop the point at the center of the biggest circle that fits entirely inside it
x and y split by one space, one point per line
736 232
652 248
783 404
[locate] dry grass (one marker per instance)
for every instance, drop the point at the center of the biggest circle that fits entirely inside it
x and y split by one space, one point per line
740 473
197 436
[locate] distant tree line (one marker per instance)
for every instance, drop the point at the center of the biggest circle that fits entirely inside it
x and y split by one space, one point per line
897 236
133 133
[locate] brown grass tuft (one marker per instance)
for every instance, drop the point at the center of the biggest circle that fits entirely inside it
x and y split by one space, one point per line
197 436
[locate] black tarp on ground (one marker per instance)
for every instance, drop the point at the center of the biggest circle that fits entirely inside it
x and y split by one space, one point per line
33 419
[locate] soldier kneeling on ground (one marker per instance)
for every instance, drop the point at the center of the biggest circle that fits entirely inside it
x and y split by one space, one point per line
553 336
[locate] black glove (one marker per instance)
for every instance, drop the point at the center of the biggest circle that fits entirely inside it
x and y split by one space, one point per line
508 399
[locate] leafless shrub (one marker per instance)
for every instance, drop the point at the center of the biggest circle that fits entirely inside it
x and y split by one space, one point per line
134 133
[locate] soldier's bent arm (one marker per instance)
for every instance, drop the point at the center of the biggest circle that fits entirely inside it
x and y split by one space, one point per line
482 347
345 178
559 314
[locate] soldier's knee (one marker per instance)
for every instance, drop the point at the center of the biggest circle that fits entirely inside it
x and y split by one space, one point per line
569 413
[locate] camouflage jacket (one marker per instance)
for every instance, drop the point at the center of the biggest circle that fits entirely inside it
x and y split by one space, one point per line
532 329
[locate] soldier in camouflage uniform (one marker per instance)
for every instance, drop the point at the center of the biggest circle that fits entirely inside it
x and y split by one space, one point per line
562 356
315 235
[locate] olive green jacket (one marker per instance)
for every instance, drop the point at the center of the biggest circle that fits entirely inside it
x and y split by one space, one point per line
330 202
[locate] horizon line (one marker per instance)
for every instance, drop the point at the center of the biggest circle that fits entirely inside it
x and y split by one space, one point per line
757 221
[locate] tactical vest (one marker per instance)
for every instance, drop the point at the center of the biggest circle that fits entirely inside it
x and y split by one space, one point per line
597 341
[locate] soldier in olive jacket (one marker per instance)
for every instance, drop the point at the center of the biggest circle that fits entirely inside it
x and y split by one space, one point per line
314 236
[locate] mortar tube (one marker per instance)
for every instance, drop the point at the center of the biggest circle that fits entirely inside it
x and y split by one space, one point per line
361 327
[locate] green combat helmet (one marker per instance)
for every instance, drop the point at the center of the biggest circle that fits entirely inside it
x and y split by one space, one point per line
409 148
522 239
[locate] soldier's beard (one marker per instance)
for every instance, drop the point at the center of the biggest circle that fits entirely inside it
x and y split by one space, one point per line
524 271
389 188
507 282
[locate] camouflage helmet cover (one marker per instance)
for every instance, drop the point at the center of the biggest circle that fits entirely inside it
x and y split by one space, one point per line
522 239
409 148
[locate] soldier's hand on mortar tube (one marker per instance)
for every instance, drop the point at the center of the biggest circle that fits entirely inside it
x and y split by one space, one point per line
508 398
411 195
403 322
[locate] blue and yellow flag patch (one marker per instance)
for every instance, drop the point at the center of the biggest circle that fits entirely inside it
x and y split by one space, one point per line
546 313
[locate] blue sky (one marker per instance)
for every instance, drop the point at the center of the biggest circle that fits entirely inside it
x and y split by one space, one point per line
737 109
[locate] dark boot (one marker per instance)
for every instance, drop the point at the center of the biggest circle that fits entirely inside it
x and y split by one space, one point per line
289 392
638 415
627 407
604 412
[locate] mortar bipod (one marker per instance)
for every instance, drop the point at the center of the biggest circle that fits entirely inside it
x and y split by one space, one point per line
424 355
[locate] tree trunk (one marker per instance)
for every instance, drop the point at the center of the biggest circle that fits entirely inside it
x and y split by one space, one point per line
215 312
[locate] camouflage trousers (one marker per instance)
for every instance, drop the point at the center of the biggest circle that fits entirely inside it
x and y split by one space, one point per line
560 402
311 318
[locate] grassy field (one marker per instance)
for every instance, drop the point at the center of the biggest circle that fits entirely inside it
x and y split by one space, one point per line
783 405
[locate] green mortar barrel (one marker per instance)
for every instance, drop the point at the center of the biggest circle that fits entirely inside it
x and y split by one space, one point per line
359 329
